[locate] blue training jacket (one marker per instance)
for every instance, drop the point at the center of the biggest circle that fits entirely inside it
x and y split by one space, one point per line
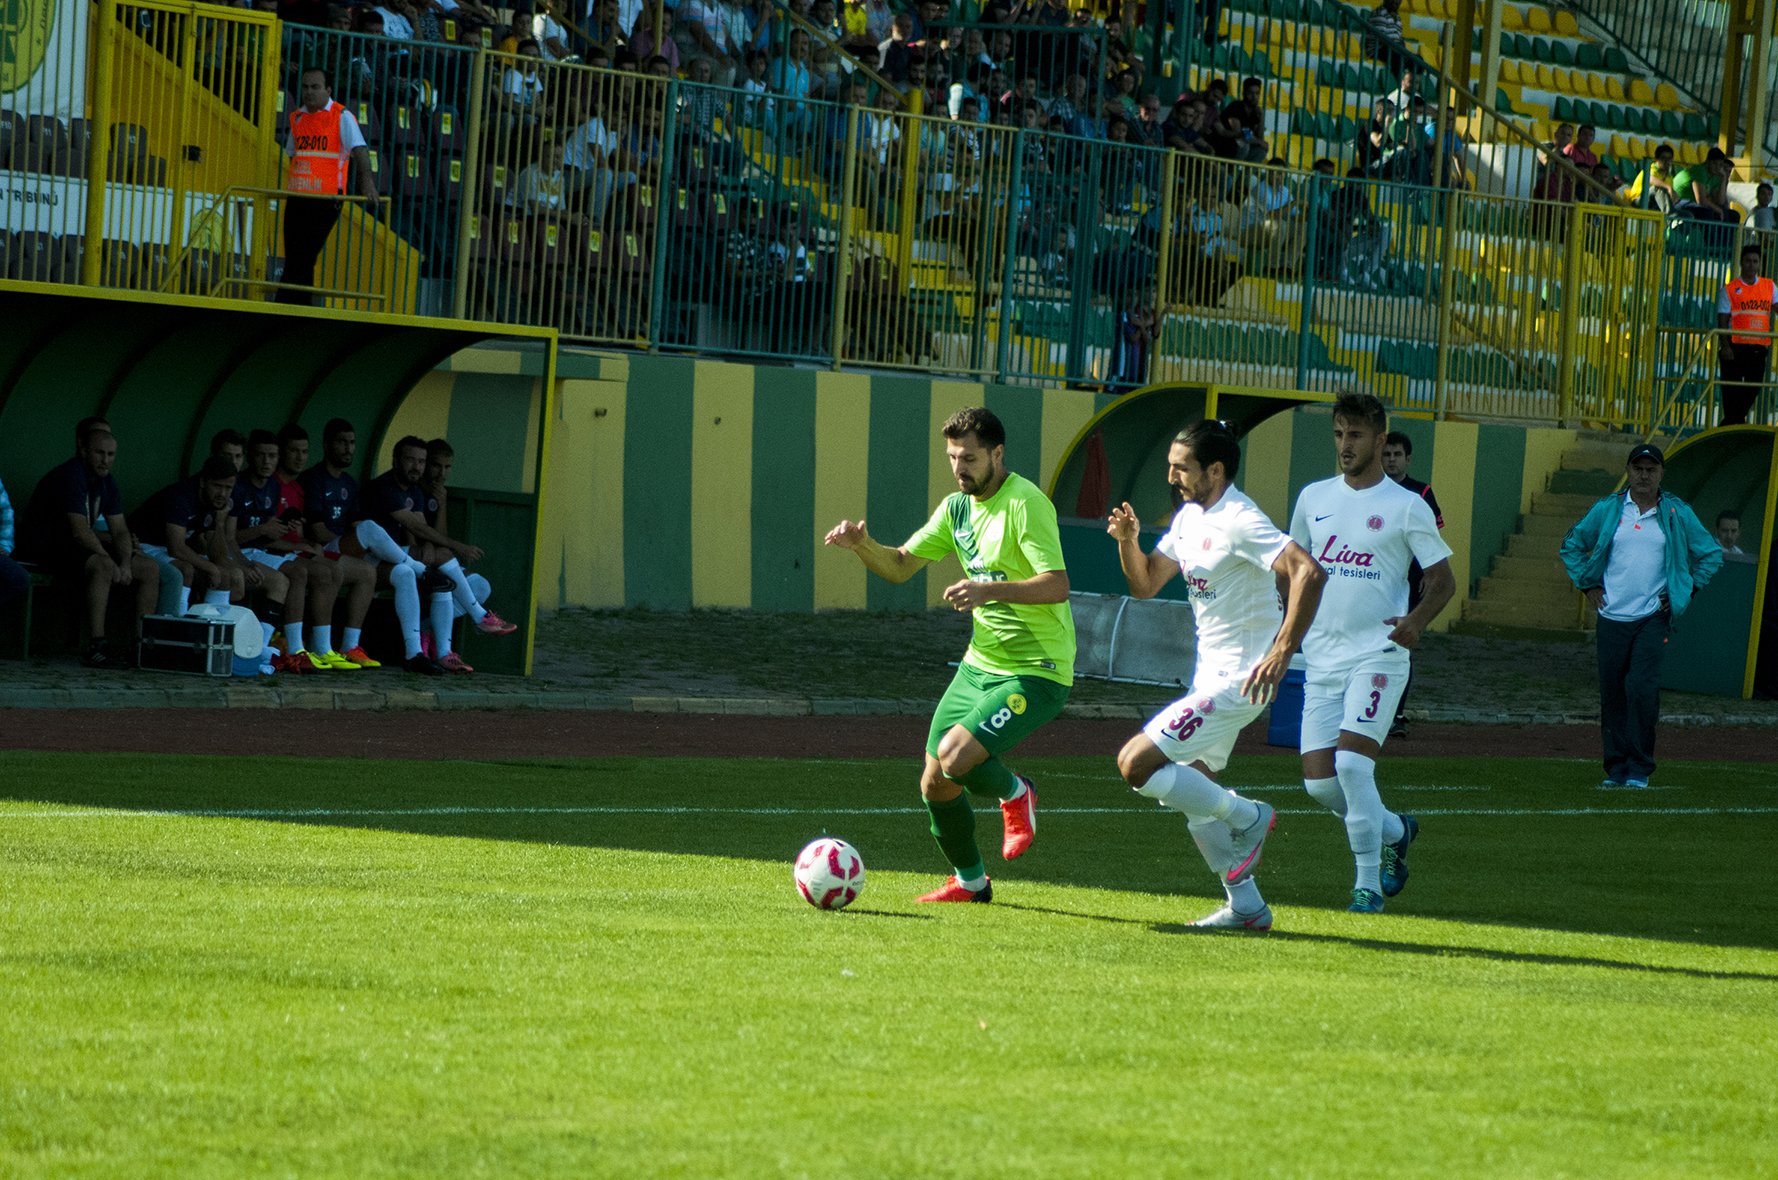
5 521
1693 555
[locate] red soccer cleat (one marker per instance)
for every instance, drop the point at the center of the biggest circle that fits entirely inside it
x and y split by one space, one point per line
493 624
1021 821
452 662
952 890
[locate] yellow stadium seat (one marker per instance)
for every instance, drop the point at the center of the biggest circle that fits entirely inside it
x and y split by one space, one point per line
1596 83
1509 70
1537 19
1641 93
1666 97
1545 77
1511 17
1619 145
1614 89
1566 25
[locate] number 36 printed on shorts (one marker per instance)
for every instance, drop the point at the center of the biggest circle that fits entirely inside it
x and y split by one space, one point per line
1186 721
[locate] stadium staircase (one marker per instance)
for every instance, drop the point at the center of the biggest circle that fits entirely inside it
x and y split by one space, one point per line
1527 589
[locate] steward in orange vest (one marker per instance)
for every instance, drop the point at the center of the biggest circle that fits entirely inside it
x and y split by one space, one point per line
324 141
1744 310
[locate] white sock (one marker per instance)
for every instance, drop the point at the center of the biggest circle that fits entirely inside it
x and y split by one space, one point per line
1244 898
379 544
460 590
1393 828
407 607
1326 791
444 616
184 599
324 638
478 586
1190 791
973 884
353 635
216 598
1214 843
1364 815
293 638
267 629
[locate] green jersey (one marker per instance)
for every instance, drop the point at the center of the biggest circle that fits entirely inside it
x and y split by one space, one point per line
1010 537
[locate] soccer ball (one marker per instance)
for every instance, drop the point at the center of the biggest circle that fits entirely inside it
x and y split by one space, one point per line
829 873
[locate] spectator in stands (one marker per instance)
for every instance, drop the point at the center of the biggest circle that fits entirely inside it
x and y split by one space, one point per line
1072 107
1383 43
587 153
1580 153
74 526
1365 235
1182 130
1762 216
1272 224
1148 127
1217 264
705 30
522 93
836 122
181 527
322 141
973 86
1135 340
1402 97
542 186
1120 178
1661 174
792 78
895 50
1324 206
1243 120
642 43
1554 183
1556 147
882 156
1607 181
549 33
397 16
1453 154
1202 19
1702 193
15 583
1744 313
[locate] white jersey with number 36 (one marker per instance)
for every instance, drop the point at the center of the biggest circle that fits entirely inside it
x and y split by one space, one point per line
1365 540
1226 554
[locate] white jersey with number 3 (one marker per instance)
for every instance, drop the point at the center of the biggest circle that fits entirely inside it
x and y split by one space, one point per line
1365 540
1226 554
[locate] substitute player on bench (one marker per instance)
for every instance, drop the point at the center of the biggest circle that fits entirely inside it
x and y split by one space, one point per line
1365 529
260 534
1018 669
469 592
330 507
1229 552
391 502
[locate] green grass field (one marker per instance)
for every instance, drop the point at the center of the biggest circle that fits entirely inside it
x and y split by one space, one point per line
600 968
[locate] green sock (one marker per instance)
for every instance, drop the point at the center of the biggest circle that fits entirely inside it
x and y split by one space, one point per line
953 826
990 778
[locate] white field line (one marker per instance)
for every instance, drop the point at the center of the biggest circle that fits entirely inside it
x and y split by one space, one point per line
282 813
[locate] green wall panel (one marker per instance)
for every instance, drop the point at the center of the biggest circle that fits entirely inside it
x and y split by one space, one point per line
1499 473
783 493
901 448
490 419
657 492
1020 410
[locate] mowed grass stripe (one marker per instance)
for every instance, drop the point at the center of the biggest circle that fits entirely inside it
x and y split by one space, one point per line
372 812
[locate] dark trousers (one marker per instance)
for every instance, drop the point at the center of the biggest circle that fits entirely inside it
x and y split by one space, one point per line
1630 692
15 583
307 223
1741 379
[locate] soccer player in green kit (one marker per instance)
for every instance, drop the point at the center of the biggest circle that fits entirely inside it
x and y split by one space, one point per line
1020 663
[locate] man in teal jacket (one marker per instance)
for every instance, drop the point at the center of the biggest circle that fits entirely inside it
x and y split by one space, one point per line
1638 555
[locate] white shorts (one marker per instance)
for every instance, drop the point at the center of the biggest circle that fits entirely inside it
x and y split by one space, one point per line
158 552
1357 698
1202 725
269 560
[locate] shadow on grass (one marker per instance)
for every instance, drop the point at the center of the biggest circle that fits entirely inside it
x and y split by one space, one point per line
1435 950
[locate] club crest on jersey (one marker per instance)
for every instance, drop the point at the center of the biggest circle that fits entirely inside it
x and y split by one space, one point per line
1379 681
1374 524
1206 706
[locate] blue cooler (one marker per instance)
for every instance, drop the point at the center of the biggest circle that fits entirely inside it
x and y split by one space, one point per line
1285 728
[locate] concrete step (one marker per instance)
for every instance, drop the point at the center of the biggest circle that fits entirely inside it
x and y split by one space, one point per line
1548 597
1520 614
1544 568
1597 456
1542 546
1555 635
1542 524
1587 483
1570 505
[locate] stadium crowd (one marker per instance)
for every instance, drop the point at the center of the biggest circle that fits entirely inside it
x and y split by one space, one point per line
301 545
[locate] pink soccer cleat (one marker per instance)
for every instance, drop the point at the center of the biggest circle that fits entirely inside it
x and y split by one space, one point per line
452 662
493 624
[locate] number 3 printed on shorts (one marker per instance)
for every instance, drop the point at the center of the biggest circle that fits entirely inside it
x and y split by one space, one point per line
1370 714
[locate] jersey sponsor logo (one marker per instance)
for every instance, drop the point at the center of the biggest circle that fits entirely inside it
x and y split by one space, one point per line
1017 703
1345 555
1319 519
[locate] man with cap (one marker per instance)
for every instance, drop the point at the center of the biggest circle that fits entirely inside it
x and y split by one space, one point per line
1638 555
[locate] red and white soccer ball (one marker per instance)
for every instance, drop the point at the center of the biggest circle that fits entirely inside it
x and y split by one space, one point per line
829 873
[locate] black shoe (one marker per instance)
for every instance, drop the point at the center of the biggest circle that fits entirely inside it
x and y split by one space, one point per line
1399 730
424 666
97 657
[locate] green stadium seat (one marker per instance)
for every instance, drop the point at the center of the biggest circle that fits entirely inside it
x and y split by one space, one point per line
1588 56
1324 74
1651 121
1672 126
1503 102
1697 127
1563 109
1260 65
1616 61
1583 112
1560 54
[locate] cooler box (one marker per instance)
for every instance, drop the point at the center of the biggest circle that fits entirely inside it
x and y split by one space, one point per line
186 643
1286 725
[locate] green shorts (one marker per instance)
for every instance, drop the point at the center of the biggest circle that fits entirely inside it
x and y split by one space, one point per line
998 711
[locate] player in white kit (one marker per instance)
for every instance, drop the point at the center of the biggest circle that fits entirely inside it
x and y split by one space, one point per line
1233 558
1364 529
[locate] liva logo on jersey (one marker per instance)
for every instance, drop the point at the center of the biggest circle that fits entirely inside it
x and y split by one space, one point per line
1346 562
1198 587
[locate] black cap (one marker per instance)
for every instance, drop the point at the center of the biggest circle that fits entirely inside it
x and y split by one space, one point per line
1646 451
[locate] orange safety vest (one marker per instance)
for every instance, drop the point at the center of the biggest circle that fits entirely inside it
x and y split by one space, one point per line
319 164
1750 310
